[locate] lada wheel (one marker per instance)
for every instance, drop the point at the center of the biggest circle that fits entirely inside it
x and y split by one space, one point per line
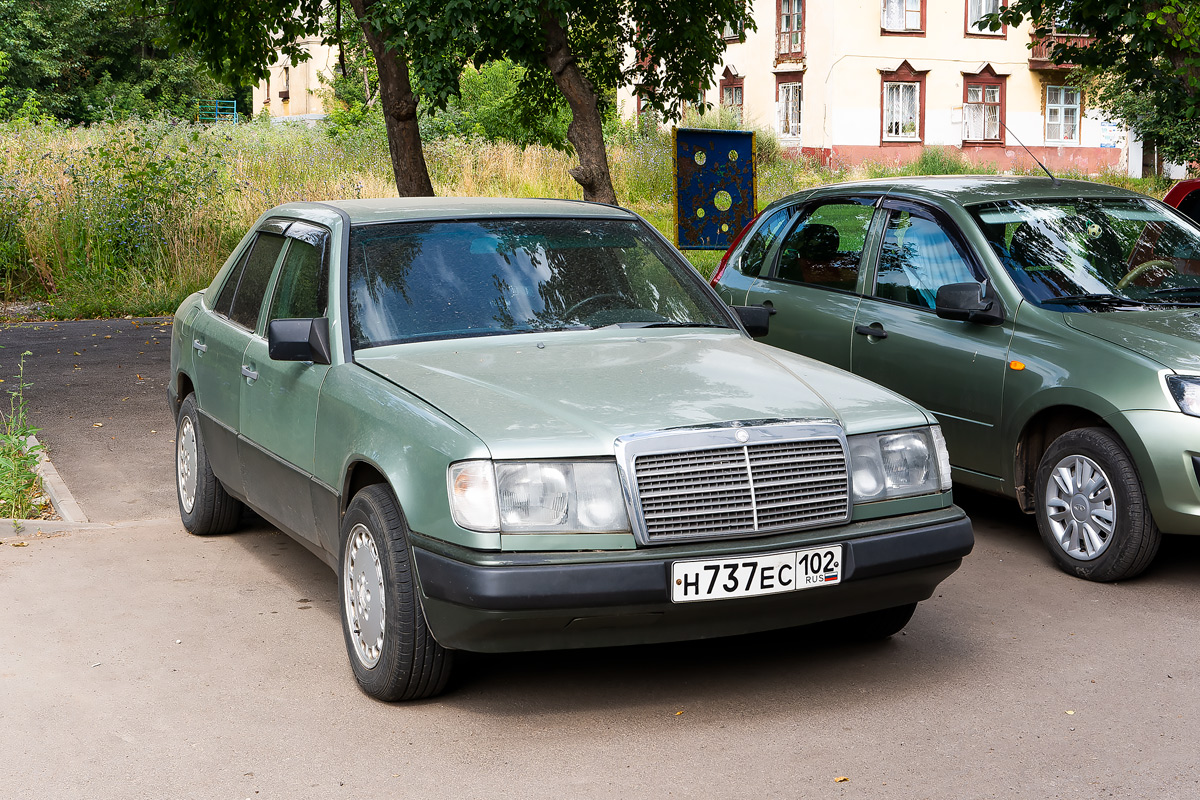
391 650
1091 508
204 505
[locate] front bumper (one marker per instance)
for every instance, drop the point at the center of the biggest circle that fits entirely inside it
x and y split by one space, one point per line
1165 446
544 601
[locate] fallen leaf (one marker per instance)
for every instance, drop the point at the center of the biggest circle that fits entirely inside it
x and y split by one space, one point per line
20 544
77 353
677 713
1070 712
841 779
97 424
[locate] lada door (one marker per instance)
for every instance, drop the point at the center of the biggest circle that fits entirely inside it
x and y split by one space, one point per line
812 279
279 398
955 369
219 340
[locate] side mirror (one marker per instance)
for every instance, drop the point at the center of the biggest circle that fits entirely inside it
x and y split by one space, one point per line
299 340
969 302
755 319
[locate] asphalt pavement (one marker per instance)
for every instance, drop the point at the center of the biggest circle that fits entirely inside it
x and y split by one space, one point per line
137 661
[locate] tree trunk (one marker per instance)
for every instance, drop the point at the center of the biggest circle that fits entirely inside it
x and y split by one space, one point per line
399 110
585 131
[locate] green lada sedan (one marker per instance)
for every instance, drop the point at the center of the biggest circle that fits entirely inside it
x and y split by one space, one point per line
1051 326
528 424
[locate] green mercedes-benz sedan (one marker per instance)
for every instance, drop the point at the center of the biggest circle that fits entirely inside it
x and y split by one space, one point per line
1051 326
528 424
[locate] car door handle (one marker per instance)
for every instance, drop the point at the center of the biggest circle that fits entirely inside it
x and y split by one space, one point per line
875 331
199 346
249 373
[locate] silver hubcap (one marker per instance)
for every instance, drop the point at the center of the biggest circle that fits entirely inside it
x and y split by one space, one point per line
364 595
185 463
1080 507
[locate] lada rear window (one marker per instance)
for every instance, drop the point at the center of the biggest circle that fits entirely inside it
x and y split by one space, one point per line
436 280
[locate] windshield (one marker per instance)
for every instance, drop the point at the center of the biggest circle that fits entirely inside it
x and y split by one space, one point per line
1093 254
438 280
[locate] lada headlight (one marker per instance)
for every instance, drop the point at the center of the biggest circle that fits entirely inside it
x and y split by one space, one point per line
1186 391
893 464
537 496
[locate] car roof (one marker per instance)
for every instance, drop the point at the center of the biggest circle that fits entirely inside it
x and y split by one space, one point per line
402 209
971 189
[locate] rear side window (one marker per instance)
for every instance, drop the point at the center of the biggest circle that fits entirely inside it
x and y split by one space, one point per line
251 284
826 246
755 253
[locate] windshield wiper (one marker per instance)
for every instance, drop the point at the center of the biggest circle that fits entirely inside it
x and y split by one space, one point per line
1090 300
1178 291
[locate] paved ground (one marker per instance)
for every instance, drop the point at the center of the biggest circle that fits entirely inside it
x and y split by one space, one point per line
137 661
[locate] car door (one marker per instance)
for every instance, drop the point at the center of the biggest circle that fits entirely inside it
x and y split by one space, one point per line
955 369
279 398
219 341
813 279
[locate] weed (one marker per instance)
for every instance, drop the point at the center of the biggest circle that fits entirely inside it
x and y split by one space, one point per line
20 486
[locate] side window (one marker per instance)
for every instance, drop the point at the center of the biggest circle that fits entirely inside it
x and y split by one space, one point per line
302 290
252 286
225 299
917 257
755 253
826 245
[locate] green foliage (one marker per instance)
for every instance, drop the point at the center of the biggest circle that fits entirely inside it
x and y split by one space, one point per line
20 486
931 161
1144 62
91 60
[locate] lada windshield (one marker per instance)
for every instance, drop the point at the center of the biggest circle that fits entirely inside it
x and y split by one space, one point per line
1095 254
412 281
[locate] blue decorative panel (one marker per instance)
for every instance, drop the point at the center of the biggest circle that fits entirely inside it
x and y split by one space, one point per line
714 186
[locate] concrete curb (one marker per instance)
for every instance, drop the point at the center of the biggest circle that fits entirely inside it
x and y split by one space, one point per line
56 488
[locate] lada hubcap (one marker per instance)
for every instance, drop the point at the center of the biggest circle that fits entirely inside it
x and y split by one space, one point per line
1081 507
185 464
364 595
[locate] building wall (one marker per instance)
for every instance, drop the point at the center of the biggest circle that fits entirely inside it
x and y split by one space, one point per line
845 54
301 83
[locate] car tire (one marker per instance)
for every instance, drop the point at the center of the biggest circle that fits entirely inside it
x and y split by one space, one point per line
874 625
392 652
204 505
1091 508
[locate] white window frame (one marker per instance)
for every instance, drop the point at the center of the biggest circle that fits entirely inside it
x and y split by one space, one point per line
789 109
900 15
733 96
890 106
975 10
1056 114
978 112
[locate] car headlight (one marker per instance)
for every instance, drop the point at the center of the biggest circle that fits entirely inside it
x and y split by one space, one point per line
537 496
1186 391
895 464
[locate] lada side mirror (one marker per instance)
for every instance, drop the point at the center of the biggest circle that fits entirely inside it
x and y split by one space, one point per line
755 319
299 340
968 302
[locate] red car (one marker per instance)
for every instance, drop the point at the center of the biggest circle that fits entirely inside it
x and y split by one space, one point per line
1185 196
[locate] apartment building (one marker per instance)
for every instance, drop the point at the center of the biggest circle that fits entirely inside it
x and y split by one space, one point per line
857 80
290 93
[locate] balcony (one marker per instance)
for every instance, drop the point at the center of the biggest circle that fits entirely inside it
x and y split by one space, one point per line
1040 57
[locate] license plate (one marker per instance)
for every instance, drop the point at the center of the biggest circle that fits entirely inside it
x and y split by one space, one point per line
754 575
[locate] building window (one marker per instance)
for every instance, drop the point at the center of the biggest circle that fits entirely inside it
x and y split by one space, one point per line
900 16
983 107
731 92
790 27
976 9
734 30
788 105
901 111
1062 114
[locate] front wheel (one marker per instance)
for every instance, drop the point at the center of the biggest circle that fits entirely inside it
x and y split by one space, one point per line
1091 508
392 652
204 505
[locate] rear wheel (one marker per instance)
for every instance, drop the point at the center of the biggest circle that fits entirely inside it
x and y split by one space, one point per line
204 505
392 652
1091 508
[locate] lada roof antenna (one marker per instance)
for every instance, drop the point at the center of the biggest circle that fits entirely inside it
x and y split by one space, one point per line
1053 179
